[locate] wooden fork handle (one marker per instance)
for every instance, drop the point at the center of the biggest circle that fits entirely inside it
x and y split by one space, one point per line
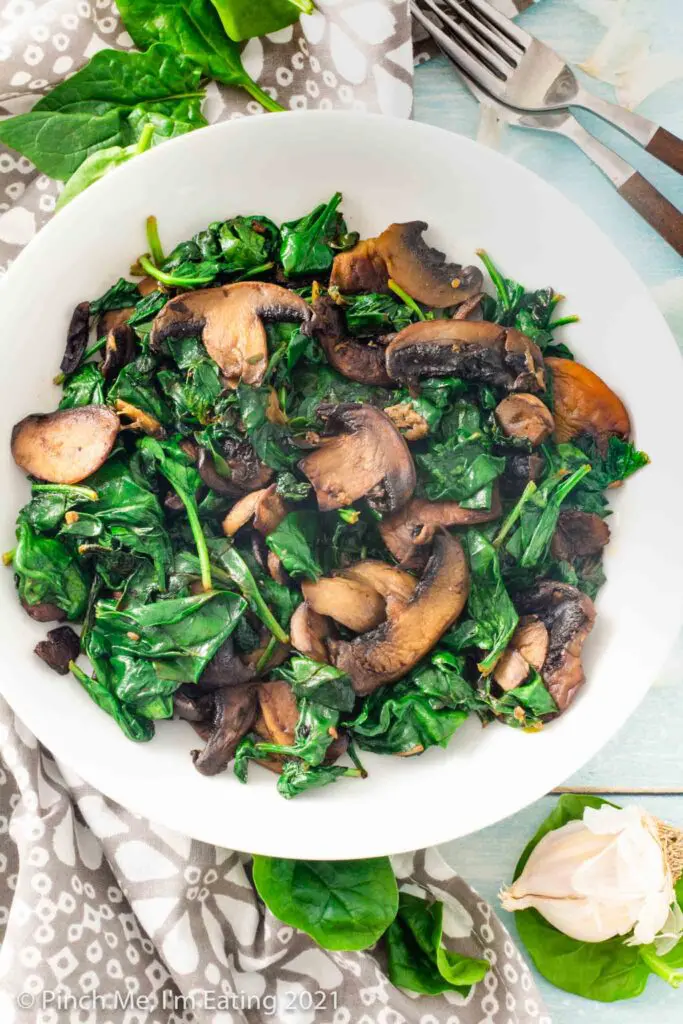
668 148
654 208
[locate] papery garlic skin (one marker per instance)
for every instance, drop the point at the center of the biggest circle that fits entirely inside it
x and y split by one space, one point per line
598 877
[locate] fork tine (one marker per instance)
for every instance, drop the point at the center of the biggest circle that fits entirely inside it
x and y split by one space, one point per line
509 51
506 26
457 53
479 51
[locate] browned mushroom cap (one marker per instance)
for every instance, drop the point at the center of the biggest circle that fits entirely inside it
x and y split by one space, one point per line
411 630
279 710
522 415
474 351
361 269
235 709
414 525
350 602
265 507
76 338
583 404
568 615
527 649
579 535
308 632
421 270
358 360
247 472
520 468
62 646
387 580
119 350
224 669
367 458
229 321
66 446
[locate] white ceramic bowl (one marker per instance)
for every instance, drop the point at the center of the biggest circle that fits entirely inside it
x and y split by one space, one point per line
472 197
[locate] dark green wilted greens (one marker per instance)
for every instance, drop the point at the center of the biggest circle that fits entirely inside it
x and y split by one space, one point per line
138 553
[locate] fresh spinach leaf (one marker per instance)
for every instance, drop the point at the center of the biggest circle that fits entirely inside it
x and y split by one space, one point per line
243 19
108 103
342 905
101 162
192 28
294 541
417 958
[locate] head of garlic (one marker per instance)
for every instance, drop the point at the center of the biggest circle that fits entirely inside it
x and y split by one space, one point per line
605 875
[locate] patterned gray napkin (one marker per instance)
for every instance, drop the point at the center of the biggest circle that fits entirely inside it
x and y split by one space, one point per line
106 918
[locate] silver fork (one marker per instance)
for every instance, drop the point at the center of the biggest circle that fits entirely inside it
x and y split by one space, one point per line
522 72
635 189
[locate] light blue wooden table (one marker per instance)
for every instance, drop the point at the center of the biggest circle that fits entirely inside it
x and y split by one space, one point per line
643 763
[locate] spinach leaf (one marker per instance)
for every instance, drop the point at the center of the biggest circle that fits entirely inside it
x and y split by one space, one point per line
313 736
373 313
148 650
193 394
530 543
294 542
47 573
101 162
417 958
237 571
84 387
489 604
243 19
192 28
342 905
50 502
134 726
136 384
119 296
418 712
176 466
605 971
458 470
270 440
108 103
526 706
308 244
292 489
247 243
297 777
323 684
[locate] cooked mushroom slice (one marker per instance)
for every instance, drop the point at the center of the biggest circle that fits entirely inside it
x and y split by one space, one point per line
234 713
470 309
358 360
411 630
481 352
522 415
387 580
579 535
421 270
414 525
229 321
139 419
76 338
66 446
279 710
308 632
583 404
568 615
44 611
367 458
62 646
265 507
276 570
225 669
527 649
361 269
247 472
409 422
520 468
193 706
119 350
355 605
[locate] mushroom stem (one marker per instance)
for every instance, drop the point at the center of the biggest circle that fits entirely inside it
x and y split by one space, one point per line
406 299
